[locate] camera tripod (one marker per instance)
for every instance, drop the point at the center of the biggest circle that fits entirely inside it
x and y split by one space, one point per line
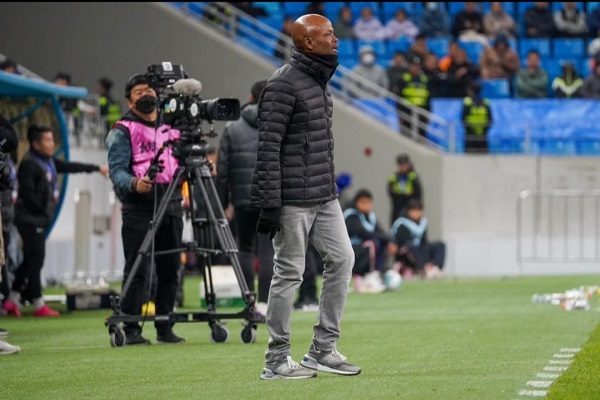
212 224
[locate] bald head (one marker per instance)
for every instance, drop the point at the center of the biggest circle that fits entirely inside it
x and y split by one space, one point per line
313 33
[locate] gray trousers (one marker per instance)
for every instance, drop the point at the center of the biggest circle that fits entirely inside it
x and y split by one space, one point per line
322 224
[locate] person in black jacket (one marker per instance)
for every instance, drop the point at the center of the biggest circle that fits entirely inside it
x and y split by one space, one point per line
37 200
294 184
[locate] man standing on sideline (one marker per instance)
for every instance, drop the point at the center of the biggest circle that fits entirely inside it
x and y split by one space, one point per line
235 166
294 184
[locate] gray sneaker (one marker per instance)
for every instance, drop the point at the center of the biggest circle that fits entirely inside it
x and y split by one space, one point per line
7 348
330 361
289 369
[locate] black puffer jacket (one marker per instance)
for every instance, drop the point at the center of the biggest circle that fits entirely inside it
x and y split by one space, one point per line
237 158
294 163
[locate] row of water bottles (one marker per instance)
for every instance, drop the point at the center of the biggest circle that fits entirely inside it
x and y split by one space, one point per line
574 299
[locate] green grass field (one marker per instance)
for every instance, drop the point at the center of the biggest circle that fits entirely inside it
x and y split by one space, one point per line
451 339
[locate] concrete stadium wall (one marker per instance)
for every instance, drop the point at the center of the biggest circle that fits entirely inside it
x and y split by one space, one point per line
470 200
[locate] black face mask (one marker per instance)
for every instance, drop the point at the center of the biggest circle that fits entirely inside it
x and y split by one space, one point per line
146 104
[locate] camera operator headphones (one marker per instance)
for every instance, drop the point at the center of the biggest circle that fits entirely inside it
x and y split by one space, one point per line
137 79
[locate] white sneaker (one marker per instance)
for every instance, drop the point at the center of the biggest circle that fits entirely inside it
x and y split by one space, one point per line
261 308
7 348
371 283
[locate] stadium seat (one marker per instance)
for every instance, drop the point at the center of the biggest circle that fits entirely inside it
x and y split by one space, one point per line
276 23
273 8
294 9
347 47
438 46
473 49
348 61
555 146
523 6
588 147
495 88
591 6
380 110
567 48
401 44
332 10
454 7
540 44
359 5
414 9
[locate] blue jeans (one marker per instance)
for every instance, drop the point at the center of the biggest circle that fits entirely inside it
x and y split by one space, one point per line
322 224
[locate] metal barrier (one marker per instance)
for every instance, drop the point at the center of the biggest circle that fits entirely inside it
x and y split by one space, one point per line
558 226
345 84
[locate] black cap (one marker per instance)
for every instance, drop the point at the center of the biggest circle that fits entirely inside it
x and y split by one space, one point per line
137 79
402 158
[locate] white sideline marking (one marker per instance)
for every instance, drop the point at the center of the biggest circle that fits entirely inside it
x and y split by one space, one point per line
533 393
567 362
542 375
560 355
560 369
570 350
539 384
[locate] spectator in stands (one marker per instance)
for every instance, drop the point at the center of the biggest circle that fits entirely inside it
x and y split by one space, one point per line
419 47
344 26
437 79
414 88
412 247
372 72
401 26
594 46
477 119
497 21
9 66
38 196
591 85
532 81
447 60
284 43
568 84
468 25
539 22
368 26
404 184
594 20
499 60
369 242
110 109
570 22
461 74
395 71
435 21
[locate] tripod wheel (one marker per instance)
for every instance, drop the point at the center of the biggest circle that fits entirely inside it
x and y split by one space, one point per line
248 334
218 333
117 336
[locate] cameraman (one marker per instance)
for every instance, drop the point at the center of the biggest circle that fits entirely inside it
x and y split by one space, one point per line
132 145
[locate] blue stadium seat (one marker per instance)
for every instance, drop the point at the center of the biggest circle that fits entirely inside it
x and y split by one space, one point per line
523 6
294 9
348 61
275 22
332 10
273 8
401 44
495 88
380 110
359 5
378 45
438 46
540 44
567 48
414 9
588 147
454 7
555 146
591 6
347 47
473 49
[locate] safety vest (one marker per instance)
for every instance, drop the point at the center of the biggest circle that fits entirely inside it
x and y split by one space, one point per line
111 109
403 184
415 91
477 115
